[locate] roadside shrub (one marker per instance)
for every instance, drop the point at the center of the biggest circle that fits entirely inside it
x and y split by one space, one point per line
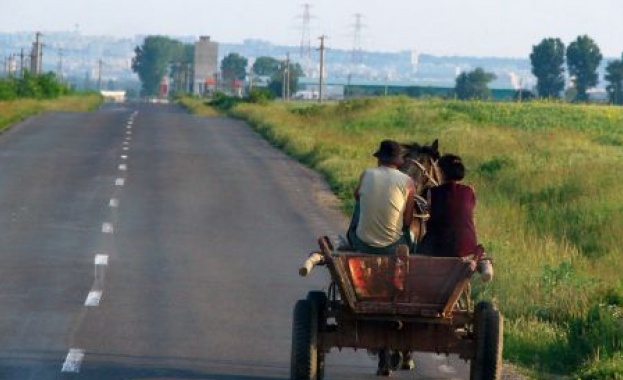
598 334
223 101
309 111
7 89
610 369
260 96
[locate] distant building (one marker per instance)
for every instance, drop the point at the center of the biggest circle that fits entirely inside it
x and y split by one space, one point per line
206 65
113 96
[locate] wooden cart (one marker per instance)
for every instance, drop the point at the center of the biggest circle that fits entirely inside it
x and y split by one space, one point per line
395 302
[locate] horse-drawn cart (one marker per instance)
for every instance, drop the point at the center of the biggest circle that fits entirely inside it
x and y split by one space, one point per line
397 302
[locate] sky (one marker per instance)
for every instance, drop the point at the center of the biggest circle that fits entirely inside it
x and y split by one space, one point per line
492 28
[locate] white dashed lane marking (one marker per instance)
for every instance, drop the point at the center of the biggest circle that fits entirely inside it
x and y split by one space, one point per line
107 228
73 360
114 202
101 259
93 298
120 181
123 167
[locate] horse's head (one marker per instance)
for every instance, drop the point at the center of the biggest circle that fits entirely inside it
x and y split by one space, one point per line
420 163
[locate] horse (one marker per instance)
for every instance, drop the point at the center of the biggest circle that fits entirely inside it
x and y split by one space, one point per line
420 163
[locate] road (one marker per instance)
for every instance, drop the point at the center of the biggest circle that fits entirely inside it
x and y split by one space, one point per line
140 242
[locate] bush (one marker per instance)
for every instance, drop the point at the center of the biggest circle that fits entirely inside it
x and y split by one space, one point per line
599 334
7 89
611 369
223 101
260 96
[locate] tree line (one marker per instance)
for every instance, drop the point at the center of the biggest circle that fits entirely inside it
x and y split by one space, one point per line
548 59
161 56
552 63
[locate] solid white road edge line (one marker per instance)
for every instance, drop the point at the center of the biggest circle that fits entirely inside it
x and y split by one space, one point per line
73 360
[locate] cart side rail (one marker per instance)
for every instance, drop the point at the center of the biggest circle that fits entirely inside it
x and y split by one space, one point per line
395 284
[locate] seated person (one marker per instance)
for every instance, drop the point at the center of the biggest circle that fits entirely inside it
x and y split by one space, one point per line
383 213
385 202
450 231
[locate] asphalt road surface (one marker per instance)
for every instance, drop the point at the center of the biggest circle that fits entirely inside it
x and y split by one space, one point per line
140 242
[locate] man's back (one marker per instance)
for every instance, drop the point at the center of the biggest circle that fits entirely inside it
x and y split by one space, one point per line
382 196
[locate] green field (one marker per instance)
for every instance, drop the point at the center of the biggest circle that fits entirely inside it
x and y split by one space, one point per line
550 207
12 111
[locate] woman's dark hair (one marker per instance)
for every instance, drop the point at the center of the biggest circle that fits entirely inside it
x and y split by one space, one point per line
452 167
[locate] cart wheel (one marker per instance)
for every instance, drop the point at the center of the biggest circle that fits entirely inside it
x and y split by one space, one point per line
320 298
304 363
488 333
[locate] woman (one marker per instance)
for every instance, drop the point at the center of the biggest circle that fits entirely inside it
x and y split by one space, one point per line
450 231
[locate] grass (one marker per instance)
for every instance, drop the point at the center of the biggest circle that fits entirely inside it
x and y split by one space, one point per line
197 106
16 110
550 210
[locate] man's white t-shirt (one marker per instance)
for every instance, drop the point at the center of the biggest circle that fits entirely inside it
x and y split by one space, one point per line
382 199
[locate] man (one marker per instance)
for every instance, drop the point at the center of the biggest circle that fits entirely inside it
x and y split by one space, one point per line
385 204
384 211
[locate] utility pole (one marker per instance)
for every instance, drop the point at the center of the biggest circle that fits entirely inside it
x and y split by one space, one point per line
21 64
288 76
285 87
60 65
99 75
320 84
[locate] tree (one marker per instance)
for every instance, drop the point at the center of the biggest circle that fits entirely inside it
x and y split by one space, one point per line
548 59
614 75
473 84
266 66
583 59
234 66
295 71
152 59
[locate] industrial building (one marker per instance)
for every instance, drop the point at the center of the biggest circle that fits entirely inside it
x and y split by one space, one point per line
205 66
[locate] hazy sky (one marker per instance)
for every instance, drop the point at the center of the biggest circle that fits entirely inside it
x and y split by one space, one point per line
440 27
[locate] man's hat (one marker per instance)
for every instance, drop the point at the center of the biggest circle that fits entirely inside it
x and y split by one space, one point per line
389 151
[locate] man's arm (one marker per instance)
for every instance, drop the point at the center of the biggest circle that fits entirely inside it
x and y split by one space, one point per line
408 214
356 193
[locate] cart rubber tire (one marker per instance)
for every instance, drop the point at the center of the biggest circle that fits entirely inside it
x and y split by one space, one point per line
488 335
321 300
304 354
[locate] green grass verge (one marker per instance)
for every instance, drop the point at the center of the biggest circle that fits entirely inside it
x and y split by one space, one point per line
16 110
